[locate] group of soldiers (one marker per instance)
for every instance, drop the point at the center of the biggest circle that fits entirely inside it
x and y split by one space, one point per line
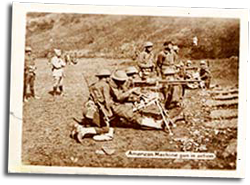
116 96
57 63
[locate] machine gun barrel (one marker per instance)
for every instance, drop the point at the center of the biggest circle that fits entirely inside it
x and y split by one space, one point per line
170 82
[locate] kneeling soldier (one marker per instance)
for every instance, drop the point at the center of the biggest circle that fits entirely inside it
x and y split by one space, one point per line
98 109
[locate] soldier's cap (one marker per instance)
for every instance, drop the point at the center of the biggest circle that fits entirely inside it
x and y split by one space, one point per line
119 75
58 52
131 70
189 62
203 62
148 44
166 43
28 48
103 72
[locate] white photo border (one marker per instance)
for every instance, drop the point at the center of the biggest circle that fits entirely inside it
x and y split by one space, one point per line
16 93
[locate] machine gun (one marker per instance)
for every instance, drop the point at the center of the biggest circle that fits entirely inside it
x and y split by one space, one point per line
152 82
147 101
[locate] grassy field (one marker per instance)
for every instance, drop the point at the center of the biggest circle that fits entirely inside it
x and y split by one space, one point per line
47 124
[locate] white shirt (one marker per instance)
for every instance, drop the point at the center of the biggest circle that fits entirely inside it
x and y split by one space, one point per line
57 66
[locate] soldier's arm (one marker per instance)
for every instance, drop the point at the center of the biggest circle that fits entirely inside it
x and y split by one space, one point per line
121 96
107 97
159 64
141 60
207 74
63 63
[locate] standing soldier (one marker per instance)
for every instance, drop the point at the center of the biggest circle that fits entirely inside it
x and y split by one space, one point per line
166 68
146 61
205 74
29 74
57 71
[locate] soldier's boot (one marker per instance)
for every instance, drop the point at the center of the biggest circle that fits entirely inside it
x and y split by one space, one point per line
61 90
84 131
54 92
151 123
25 99
33 93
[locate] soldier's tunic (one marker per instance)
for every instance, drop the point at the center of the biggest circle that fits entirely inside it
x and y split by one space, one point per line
57 70
122 106
100 95
146 64
166 62
205 76
29 74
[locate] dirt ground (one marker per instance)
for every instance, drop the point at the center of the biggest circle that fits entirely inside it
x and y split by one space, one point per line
47 125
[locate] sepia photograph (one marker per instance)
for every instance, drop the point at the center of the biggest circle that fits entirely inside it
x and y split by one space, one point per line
128 90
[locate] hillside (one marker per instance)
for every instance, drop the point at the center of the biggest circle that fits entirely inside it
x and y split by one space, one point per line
120 36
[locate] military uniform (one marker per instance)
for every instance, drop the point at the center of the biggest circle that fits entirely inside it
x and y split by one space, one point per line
100 95
122 105
29 74
205 76
166 68
146 62
97 108
58 65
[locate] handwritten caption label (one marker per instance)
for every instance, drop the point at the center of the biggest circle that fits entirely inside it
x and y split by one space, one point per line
170 155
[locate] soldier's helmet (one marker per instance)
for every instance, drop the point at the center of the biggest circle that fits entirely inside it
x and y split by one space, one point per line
203 62
189 62
131 70
119 75
28 49
103 73
148 44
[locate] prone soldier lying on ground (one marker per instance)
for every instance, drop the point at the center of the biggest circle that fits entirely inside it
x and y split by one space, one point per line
123 105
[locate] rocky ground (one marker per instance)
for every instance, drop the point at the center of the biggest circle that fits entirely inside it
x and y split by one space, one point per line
210 126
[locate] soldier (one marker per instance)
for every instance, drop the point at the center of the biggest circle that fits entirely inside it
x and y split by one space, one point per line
58 65
98 109
123 105
166 68
205 74
29 74
146 61
133 75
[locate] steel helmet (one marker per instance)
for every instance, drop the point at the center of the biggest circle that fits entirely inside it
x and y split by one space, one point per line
103 72
189 62
120 75
203 62
148 44
131 70
28 48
